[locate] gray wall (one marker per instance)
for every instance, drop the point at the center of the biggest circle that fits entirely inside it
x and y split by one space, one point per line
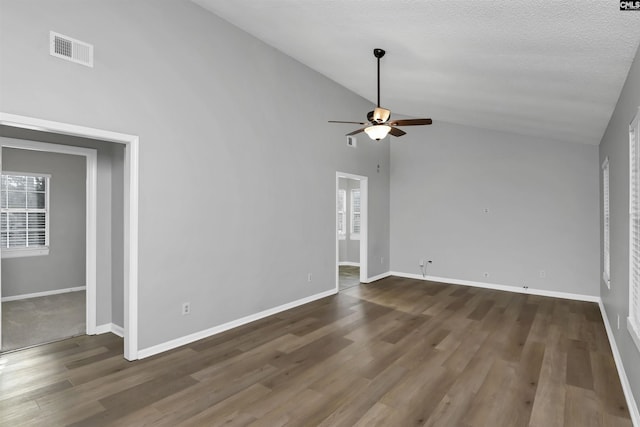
224 122
110 221
64 267
349 249
542 201
615 145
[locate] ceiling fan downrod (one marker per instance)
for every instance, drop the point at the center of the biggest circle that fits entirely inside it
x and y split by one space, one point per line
378 53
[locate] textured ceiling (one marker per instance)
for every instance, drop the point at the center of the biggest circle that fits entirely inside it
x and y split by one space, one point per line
547 68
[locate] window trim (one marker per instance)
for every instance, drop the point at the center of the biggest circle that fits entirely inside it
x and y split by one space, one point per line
354 236
633 319
342 193
38 250
606 223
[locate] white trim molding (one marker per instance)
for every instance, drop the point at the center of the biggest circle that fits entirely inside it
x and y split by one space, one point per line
633 333
364 224
131 143
606 219
378 277
43 294
624 380
169 345
517 289
110 328
349 264
25 252
91 209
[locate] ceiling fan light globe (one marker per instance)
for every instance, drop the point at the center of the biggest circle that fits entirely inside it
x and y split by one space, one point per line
377 132
381 115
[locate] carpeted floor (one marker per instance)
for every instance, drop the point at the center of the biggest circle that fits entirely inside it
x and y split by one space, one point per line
348 276
40 320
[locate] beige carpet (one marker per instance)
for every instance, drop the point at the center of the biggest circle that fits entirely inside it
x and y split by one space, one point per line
40 320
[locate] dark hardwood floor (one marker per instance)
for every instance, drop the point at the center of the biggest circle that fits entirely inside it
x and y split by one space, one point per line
397 352
348 277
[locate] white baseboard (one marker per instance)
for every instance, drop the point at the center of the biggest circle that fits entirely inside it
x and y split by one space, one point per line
43 294
518 289
118 330
169 345
110 327
626 387
349 263
378 277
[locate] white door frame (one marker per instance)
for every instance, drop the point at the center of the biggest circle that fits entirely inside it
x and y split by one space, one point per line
364 226
91 157
131 143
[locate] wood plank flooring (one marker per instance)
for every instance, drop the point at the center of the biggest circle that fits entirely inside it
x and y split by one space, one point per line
348 276
397 352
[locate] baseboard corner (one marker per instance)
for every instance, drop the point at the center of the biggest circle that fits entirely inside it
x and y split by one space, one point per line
110 327
378 277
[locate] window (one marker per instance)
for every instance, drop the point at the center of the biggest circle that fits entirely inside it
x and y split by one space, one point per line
342 214
633 322
24 216
606 262
355 214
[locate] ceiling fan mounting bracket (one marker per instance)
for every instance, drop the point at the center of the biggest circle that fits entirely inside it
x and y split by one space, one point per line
378 53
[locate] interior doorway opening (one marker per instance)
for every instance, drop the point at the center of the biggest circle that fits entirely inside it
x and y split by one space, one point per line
351 230
44 293
129 210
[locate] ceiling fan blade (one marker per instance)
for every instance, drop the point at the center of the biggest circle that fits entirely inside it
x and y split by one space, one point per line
411 122
397 132
355 132
353 123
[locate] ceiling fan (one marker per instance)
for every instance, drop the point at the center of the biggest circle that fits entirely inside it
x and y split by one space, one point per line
379 125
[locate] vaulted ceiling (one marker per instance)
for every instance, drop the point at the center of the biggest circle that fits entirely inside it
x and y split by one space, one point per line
547 68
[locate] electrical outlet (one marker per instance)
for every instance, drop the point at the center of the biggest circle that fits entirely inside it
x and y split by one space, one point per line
421 263
485 274
486 210
543 274
186 308
309 276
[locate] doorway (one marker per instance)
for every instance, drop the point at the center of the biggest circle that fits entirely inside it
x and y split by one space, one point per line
44 297
351 230
130 213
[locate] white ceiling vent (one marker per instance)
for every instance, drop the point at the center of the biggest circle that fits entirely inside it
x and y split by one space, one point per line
70 49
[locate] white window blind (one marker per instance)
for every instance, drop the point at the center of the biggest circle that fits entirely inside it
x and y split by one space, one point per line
342 214
355 213
24 215
633 322
606 273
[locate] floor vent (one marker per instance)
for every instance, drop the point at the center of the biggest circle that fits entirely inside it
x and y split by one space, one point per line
73 50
